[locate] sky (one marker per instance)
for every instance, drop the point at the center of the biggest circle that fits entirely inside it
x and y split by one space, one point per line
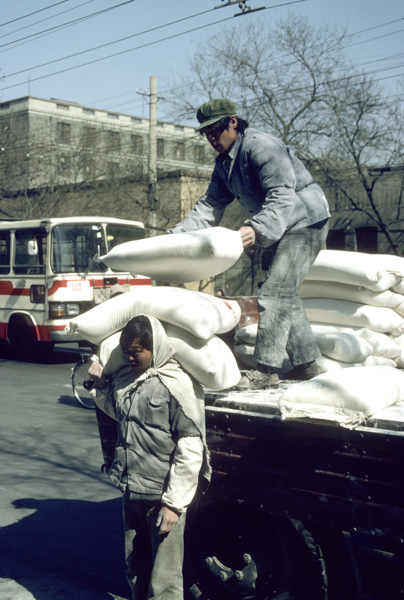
101 53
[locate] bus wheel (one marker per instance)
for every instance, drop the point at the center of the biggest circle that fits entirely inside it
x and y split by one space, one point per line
22 338
238 554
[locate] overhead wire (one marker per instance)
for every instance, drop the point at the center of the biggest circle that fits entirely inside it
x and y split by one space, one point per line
33 13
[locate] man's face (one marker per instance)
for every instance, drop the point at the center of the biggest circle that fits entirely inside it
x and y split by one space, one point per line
222 139
139 357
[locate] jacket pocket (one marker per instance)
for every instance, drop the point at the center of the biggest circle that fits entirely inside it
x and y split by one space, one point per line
157 413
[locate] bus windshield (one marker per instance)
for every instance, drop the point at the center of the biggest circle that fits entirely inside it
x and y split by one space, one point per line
75 246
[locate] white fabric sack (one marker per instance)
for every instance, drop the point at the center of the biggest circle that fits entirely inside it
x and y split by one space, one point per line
179 257
382 344
211 362
353 293
346 347
344 312
200 314
321 328
245 353
357 268
330 364
348 396
247 334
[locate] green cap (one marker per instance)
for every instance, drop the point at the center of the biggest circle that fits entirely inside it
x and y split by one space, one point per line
214 110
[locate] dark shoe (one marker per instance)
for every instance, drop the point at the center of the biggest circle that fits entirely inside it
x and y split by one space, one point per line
255 380
304 372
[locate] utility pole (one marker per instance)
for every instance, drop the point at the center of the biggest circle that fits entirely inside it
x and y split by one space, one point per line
152 192
152 197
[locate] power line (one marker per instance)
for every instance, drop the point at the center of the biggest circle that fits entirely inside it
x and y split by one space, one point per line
33 13
68 23
47 18
138 47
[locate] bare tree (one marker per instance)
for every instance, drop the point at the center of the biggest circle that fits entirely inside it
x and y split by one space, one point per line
294 80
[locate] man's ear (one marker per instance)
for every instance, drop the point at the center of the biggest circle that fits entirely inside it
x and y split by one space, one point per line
233 122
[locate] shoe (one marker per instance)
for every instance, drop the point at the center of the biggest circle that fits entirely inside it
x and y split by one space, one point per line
304 372
255 380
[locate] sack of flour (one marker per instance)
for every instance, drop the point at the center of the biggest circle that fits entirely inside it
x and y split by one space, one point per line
357 268
210 362
382 344
200 314
346 347
353 314
347 396
353 293
330 364
247 334
179 257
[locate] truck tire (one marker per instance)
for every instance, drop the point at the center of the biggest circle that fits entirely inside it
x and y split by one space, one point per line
234 553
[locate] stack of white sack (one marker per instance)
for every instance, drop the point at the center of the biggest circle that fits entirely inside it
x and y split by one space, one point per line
355 304
192 321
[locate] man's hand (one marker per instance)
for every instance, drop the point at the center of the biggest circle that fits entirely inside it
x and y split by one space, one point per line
166 520
96 373
247 236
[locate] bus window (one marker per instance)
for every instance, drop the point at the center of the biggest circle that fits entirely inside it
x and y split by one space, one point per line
27 262
4 252
75 246
119 234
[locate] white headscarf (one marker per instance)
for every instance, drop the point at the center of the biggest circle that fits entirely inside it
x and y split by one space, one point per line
186 390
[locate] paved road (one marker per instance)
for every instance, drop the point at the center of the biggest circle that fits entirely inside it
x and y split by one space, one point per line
61 528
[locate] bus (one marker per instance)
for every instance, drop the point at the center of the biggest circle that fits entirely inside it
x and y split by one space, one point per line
50 272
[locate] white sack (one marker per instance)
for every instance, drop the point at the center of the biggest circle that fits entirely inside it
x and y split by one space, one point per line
245 352
346 347
330 364
179 257
357 268
382 344
210 362
348 396
200 314
343 312
247 334
353 293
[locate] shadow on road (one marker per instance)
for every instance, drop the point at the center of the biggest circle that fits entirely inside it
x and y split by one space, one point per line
78 541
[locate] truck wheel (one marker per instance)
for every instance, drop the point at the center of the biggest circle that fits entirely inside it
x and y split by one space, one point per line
235 553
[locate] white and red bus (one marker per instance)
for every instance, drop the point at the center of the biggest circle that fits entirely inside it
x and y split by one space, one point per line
50 272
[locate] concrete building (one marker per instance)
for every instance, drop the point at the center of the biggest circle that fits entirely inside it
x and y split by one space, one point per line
54 142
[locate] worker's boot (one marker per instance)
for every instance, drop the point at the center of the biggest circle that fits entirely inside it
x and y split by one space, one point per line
304 372
259 379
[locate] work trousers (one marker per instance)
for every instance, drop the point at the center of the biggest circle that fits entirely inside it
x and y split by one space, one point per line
283 327
154 562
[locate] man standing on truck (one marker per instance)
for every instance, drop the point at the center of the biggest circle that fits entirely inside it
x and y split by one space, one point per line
289 215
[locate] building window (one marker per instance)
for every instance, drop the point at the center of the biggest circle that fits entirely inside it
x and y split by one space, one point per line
179 150
114 140
88 111
64 165
199 154
137 144
63 133
63 106
112 116
366 239
89 168
89 137
113 170
160 148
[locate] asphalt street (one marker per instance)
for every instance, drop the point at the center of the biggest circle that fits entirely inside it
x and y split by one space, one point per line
61 533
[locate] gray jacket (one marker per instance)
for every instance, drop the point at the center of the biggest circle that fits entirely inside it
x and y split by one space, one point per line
269 181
